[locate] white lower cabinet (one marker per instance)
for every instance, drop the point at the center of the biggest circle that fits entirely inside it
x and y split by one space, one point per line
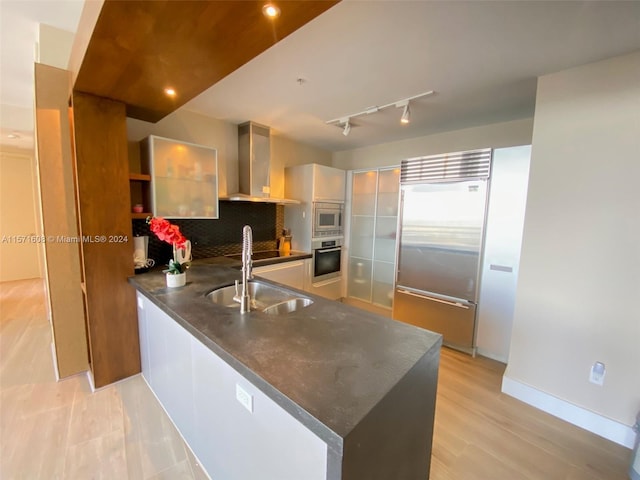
199 392
287 273
166 364
331 289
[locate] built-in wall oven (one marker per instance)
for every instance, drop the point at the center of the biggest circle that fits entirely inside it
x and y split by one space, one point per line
327 219
327 257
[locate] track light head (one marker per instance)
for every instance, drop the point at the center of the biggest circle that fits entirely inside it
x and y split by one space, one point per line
406 113
347 128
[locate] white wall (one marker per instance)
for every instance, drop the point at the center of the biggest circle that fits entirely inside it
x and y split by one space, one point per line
18 217
287 153
196 128
580 266
506 134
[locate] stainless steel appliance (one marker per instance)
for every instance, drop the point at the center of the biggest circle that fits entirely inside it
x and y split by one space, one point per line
443 207
327 219
327 257
254 166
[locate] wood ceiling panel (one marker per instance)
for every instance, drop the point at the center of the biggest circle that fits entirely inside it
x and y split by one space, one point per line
138 48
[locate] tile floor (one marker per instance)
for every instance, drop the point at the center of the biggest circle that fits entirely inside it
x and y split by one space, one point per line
61 430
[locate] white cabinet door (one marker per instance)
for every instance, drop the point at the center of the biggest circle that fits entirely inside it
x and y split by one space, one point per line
328 183
142 333
503 239
168 369
234 443
331 289
288 273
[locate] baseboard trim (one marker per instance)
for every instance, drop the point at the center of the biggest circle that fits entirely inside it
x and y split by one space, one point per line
581 417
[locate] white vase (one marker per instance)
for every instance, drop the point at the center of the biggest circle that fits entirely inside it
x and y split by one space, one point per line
176 280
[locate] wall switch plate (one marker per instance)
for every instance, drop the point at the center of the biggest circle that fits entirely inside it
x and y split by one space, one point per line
597 373
244 398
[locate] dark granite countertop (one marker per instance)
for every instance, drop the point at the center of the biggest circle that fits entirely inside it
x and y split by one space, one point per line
257 261
328 364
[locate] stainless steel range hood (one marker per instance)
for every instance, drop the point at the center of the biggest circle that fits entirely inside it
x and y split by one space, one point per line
254 162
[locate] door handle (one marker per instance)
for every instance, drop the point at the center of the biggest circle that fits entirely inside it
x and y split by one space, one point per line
433 299
501 268
329 250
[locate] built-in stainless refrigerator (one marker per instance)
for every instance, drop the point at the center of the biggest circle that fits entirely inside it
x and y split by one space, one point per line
441 223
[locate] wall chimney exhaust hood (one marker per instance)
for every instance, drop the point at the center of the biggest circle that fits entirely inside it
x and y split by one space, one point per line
254 157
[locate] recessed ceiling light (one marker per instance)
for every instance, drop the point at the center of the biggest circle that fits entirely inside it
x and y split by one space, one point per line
170 92
270 10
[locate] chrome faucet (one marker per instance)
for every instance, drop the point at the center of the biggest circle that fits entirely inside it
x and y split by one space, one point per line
247 250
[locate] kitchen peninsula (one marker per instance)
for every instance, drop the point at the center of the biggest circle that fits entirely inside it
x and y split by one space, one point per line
324 392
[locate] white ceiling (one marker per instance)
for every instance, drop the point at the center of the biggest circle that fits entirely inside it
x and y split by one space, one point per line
482 59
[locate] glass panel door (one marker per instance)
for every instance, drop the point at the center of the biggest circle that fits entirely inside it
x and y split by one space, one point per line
363 211
373 235
384 252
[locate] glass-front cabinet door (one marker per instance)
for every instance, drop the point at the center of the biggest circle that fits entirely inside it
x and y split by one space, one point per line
184 178
384 252
372 249
363 209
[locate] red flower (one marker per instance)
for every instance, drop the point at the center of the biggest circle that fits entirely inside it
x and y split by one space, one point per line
166 232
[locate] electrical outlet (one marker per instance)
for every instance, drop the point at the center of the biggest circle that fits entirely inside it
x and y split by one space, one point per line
244 398
597 373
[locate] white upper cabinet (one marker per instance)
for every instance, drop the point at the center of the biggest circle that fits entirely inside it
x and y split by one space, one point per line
184 178
328 183
315 183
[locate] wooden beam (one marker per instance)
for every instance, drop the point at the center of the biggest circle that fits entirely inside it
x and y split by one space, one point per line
139 48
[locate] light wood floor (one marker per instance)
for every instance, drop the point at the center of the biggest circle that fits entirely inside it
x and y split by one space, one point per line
61 430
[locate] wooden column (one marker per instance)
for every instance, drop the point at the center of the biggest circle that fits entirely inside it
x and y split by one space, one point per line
102 170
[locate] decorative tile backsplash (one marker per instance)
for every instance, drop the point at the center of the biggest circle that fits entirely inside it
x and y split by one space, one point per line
213 238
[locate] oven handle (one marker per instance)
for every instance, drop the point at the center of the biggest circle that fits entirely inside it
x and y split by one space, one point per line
328 250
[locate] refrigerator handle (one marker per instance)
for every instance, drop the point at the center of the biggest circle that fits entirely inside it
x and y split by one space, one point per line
433 299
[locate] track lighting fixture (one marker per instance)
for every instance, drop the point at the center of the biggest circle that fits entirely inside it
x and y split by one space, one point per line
347 128
403 103
406 113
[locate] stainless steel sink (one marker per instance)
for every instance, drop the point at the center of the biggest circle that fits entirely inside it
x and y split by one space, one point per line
269 299
288 306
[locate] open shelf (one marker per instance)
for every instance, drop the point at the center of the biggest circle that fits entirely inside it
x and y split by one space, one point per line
140 187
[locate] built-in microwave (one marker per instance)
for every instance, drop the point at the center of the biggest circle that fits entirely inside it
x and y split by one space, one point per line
327 219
